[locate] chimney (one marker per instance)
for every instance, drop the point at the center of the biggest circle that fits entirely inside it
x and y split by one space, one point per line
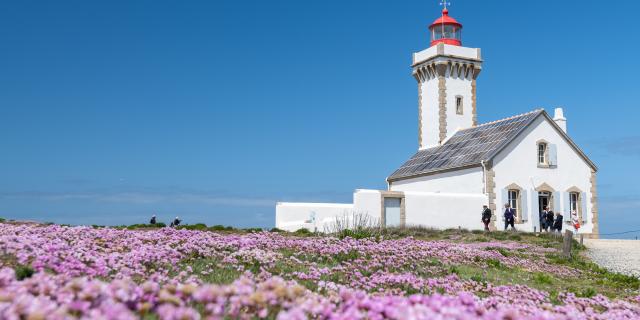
560 120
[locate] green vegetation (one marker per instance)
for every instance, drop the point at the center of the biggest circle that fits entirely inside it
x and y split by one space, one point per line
23 272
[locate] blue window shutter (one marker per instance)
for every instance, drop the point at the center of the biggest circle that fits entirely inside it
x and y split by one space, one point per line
524 206
535 206
556 201
553 155
583 200
505 199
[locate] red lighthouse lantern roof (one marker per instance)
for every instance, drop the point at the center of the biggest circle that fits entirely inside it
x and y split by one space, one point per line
445 19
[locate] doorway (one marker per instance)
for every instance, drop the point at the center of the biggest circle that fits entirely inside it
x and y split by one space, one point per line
392 212
544 200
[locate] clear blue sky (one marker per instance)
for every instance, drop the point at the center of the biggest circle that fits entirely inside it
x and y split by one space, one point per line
214 110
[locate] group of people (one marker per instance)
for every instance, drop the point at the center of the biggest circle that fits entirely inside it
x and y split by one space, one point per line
549 221
174 223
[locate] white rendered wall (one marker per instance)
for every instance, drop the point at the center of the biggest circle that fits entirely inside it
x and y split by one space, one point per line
430 114
517 164
293 216
460 181
369 202
454 51
458 86
444 210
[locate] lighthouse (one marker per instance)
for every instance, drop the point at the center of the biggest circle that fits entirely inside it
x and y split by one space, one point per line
446 73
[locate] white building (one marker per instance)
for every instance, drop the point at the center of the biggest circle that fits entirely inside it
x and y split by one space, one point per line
528 160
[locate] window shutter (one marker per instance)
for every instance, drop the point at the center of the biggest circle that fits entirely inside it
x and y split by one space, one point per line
504 200
567 202
535 206
583 206
553 154
524 206
556 201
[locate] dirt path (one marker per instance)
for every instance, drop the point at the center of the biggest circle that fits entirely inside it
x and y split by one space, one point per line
621 256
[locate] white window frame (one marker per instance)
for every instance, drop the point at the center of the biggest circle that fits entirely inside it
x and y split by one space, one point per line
543 154
513 198
575 204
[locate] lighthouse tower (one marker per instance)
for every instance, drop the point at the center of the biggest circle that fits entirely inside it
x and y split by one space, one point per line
446 73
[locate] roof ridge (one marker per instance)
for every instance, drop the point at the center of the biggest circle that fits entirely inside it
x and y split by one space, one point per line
509 118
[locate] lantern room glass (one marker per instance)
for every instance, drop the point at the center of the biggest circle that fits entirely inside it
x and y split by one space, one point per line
446 32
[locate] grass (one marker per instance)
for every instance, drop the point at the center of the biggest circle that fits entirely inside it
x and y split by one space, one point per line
592 281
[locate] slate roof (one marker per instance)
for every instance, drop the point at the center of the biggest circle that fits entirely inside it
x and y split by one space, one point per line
467 147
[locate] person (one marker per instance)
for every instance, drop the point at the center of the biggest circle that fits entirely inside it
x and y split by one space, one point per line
549 222
509 217
575 221
557 224
153 219
543 219
176 222
486 217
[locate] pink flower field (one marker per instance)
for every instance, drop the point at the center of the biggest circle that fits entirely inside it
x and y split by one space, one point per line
56 272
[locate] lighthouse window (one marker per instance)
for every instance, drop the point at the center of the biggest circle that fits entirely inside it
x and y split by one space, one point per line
459 107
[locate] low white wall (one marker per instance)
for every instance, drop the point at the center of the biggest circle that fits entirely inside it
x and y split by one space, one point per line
368 202
430 209
445 210
293 216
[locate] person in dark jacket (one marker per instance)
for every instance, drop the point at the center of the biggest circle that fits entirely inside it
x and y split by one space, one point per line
486 217
153 220
557 224
509 217
549 222
176 222
543 219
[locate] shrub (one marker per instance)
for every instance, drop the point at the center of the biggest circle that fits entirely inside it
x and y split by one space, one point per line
303 232
23 272
197 226
217 227
276 230
494 263
250 230
357 225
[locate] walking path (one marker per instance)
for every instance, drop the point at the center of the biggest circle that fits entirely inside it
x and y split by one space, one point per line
622 256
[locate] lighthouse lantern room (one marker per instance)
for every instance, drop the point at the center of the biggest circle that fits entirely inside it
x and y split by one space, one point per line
446 30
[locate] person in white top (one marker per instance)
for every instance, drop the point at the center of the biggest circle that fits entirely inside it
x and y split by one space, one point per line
575 221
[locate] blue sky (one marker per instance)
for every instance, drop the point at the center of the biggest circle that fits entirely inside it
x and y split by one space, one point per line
213 110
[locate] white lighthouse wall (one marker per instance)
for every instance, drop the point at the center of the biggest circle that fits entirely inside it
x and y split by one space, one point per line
458 86
518 164
459 181
430 128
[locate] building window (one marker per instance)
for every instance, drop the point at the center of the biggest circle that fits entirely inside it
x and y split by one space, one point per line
459 107
574 204
514 198
542 153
